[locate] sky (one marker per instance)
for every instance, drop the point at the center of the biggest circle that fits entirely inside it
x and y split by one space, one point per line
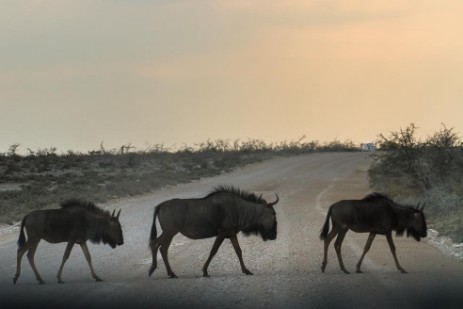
74 74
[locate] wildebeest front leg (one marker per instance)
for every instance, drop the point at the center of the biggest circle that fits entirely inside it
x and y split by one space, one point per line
218 241
391 245
236 245
371 237
65 257
89 261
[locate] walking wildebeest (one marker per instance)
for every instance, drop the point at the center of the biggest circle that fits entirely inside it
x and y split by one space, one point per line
223 213
376 214
76 222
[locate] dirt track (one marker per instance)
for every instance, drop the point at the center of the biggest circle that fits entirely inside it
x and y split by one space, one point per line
286 271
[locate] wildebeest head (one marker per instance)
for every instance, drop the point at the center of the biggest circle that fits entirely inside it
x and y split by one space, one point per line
417 227
268 221
113 234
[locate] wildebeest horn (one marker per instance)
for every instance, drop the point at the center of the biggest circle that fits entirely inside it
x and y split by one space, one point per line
118 213
112 215
422 207
276 201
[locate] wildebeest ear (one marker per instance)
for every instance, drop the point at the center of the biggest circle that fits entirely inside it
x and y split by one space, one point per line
118 213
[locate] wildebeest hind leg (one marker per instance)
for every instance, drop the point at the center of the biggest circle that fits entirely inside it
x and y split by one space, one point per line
30 255
21 251
67 252
218 241
327 241
236 246
164 253
392 247
89 261
337 247
371 237
154 245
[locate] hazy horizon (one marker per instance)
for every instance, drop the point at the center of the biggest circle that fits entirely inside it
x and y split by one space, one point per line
76 73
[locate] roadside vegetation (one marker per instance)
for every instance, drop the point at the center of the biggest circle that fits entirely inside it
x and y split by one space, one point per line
45 177
430 171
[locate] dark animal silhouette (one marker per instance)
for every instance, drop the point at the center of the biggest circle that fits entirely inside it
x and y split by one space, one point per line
375 214
223 213
75 223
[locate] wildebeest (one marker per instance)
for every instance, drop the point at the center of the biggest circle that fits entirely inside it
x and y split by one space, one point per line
376 214
223 213
76 222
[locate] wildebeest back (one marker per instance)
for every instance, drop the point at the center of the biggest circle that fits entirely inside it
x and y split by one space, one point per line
364 216
196 219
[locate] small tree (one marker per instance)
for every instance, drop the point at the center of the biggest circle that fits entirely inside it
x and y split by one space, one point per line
442 148
402 152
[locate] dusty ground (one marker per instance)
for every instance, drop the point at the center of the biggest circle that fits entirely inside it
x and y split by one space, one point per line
286 271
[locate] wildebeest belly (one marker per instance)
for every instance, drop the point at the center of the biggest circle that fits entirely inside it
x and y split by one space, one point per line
368 229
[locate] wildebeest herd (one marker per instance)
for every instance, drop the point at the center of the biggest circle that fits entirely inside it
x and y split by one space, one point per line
223 213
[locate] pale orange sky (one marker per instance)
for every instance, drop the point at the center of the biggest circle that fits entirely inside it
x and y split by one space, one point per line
75 73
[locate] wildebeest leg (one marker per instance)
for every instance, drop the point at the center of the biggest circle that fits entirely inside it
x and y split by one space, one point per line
391 245
337 247
89 260
218 241
65 257
154 251
371 237
164 253
236 245
327 241
30 255
21 251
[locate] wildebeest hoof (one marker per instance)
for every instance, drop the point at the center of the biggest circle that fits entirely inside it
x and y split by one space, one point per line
97 279
403 271
359 271
60 281
345 271
173 276
247 272
323 268
206 276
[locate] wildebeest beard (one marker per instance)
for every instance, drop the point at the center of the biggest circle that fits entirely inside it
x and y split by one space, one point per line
259 229
414 233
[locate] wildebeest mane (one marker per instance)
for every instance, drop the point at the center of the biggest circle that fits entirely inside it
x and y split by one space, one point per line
376 195
247 196
89 206
396 208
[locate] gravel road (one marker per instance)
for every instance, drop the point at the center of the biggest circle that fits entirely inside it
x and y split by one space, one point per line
286 271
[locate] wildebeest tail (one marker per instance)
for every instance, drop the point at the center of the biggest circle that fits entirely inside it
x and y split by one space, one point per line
22 236
326 227
154 233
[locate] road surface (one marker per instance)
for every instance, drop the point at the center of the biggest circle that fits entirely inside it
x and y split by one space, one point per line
286 271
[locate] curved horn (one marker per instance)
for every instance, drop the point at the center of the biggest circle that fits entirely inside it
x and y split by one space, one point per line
112 215
276 201
118 213
422 207
417 207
